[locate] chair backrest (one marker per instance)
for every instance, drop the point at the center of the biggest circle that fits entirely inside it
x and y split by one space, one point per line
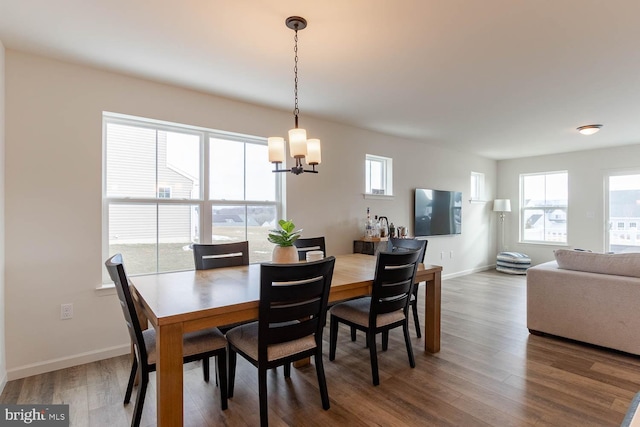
207 256
393 283
293 292
115 267
309 244
401 245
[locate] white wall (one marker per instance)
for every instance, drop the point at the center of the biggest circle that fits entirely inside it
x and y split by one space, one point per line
3 360
586 216
53 197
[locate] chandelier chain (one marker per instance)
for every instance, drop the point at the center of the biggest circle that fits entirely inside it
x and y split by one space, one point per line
296 110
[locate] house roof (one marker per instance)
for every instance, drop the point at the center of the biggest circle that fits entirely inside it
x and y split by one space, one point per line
499 78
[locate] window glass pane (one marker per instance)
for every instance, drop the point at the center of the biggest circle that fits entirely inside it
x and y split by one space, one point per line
534 186
557 189
230 223
177 229
179 164
260 219
544 201
377 174
131 161
261 182
132 232
477 185
226 165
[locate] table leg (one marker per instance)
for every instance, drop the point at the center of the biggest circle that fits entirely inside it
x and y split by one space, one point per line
432 314
169 375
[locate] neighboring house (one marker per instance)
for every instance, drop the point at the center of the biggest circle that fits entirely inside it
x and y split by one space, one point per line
137 223
624 233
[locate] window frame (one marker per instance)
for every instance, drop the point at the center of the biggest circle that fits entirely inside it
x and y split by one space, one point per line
524 209
387 176
203 202
476 190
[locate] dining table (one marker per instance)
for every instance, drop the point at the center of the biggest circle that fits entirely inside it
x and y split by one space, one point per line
179 302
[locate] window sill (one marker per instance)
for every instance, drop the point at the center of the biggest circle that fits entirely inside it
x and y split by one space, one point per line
564 244
106 289
378 196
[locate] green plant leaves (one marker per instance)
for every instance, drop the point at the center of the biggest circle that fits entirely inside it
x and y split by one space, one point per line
286 235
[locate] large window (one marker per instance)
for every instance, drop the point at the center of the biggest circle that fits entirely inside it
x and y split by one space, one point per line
543 213
378 175
160 195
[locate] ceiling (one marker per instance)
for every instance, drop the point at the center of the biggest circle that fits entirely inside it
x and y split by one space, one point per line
499 78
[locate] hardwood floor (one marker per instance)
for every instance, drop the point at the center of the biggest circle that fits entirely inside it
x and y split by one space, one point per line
490 372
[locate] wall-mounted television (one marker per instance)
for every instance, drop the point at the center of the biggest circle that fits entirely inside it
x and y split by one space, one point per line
437 212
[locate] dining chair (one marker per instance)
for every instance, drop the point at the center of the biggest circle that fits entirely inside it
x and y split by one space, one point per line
399 245
305 245
387 308
207 256
200 345
292 315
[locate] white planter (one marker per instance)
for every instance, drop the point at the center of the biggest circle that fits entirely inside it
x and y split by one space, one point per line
284 255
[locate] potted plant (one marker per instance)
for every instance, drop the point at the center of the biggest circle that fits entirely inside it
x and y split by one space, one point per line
284 251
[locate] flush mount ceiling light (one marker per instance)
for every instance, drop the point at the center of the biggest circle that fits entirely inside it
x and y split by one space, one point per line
299 146
589 129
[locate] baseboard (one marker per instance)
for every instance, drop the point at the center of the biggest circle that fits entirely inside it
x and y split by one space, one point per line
469 271
65 362
3 381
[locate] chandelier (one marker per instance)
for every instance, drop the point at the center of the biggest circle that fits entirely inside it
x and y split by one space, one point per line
300 148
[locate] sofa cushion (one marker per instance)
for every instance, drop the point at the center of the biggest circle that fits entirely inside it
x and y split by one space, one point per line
617 264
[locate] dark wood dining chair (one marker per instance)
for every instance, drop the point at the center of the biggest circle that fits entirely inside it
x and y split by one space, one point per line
207 256
387 308
309 244
199 345
399 245
292 316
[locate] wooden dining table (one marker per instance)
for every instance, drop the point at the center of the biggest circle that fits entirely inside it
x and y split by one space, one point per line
179 302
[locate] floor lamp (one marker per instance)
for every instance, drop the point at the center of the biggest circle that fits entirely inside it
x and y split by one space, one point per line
502 206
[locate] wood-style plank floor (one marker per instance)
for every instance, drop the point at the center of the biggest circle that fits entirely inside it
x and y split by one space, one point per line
490 372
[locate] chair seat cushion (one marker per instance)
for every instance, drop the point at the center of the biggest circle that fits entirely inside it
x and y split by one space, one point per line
357 311
245 339
192 343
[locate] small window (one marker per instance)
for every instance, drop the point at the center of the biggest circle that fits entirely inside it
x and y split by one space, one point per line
477 186
633 225
164 192
378 175
621 226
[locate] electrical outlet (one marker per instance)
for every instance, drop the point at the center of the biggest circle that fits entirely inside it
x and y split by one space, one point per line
66 311
441 255
450 254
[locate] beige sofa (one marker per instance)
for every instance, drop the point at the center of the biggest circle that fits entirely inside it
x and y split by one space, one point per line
588 297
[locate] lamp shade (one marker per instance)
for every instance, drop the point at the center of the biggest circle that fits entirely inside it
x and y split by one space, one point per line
313 152
502 205
276 149
298 142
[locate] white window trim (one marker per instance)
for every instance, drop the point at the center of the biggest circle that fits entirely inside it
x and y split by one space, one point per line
479 187
523 209
388 177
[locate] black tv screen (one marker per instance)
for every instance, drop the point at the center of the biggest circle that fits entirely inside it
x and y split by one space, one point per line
437 212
